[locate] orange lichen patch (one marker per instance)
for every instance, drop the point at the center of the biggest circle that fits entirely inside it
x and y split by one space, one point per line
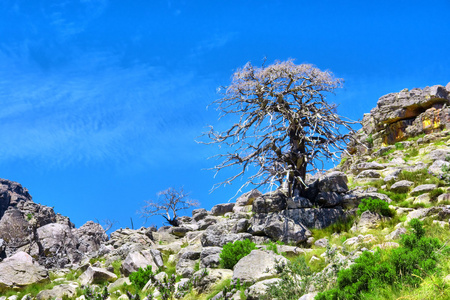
431 120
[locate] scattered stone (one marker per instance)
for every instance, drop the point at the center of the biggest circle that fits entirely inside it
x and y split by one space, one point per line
321 243
95 275
396 234
424 188
259 289
402 186
257 266
58 291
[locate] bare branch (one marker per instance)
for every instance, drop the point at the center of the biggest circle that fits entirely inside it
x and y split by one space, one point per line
285 127
169 202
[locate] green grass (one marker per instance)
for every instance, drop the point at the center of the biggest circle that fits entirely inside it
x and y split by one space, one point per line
415 138
116 265
340 226
395 197
32 289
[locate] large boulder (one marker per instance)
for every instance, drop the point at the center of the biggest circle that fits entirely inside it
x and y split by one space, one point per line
58 245
90 236
15 231
257 266
186 264
333 182
275 201
279 227
95 275
10 194
221 233
141 259
58 291
210 257
19 270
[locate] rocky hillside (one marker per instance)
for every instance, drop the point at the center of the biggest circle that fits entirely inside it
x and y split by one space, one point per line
297 247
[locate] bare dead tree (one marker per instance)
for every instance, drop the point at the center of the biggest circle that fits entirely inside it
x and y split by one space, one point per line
285 128
169 202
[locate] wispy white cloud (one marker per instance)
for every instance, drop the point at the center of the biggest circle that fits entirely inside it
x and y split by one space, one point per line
96 109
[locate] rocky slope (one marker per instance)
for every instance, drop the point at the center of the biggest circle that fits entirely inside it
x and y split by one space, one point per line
402 159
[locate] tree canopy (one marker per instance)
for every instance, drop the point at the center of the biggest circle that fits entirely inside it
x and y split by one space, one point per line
285 127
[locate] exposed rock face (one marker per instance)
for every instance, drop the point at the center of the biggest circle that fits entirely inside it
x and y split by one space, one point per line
407 113
10 194
90 236
58 245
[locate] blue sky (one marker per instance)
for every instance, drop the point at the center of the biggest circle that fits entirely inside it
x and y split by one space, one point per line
101 101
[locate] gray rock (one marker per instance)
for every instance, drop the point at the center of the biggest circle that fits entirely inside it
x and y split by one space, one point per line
179 231
396 234
213 276
19 271
259 289
368 220
316 217
329 199
58 291
248 198
368 174
140 259
333 182
424 188
90 236
95 275
186 263
298 202
140 236
15 231
402 186
221 209
199 213
321 243
220 234
257 266
210 257
360 196
58 244
436 167
271 202
11 193
241 226
279 227
368 166
207 221
438 154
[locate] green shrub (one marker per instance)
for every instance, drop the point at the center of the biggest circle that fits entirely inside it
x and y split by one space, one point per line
141 277
369 141
116 266
295 279
406 265
376 206
436 193
233 252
